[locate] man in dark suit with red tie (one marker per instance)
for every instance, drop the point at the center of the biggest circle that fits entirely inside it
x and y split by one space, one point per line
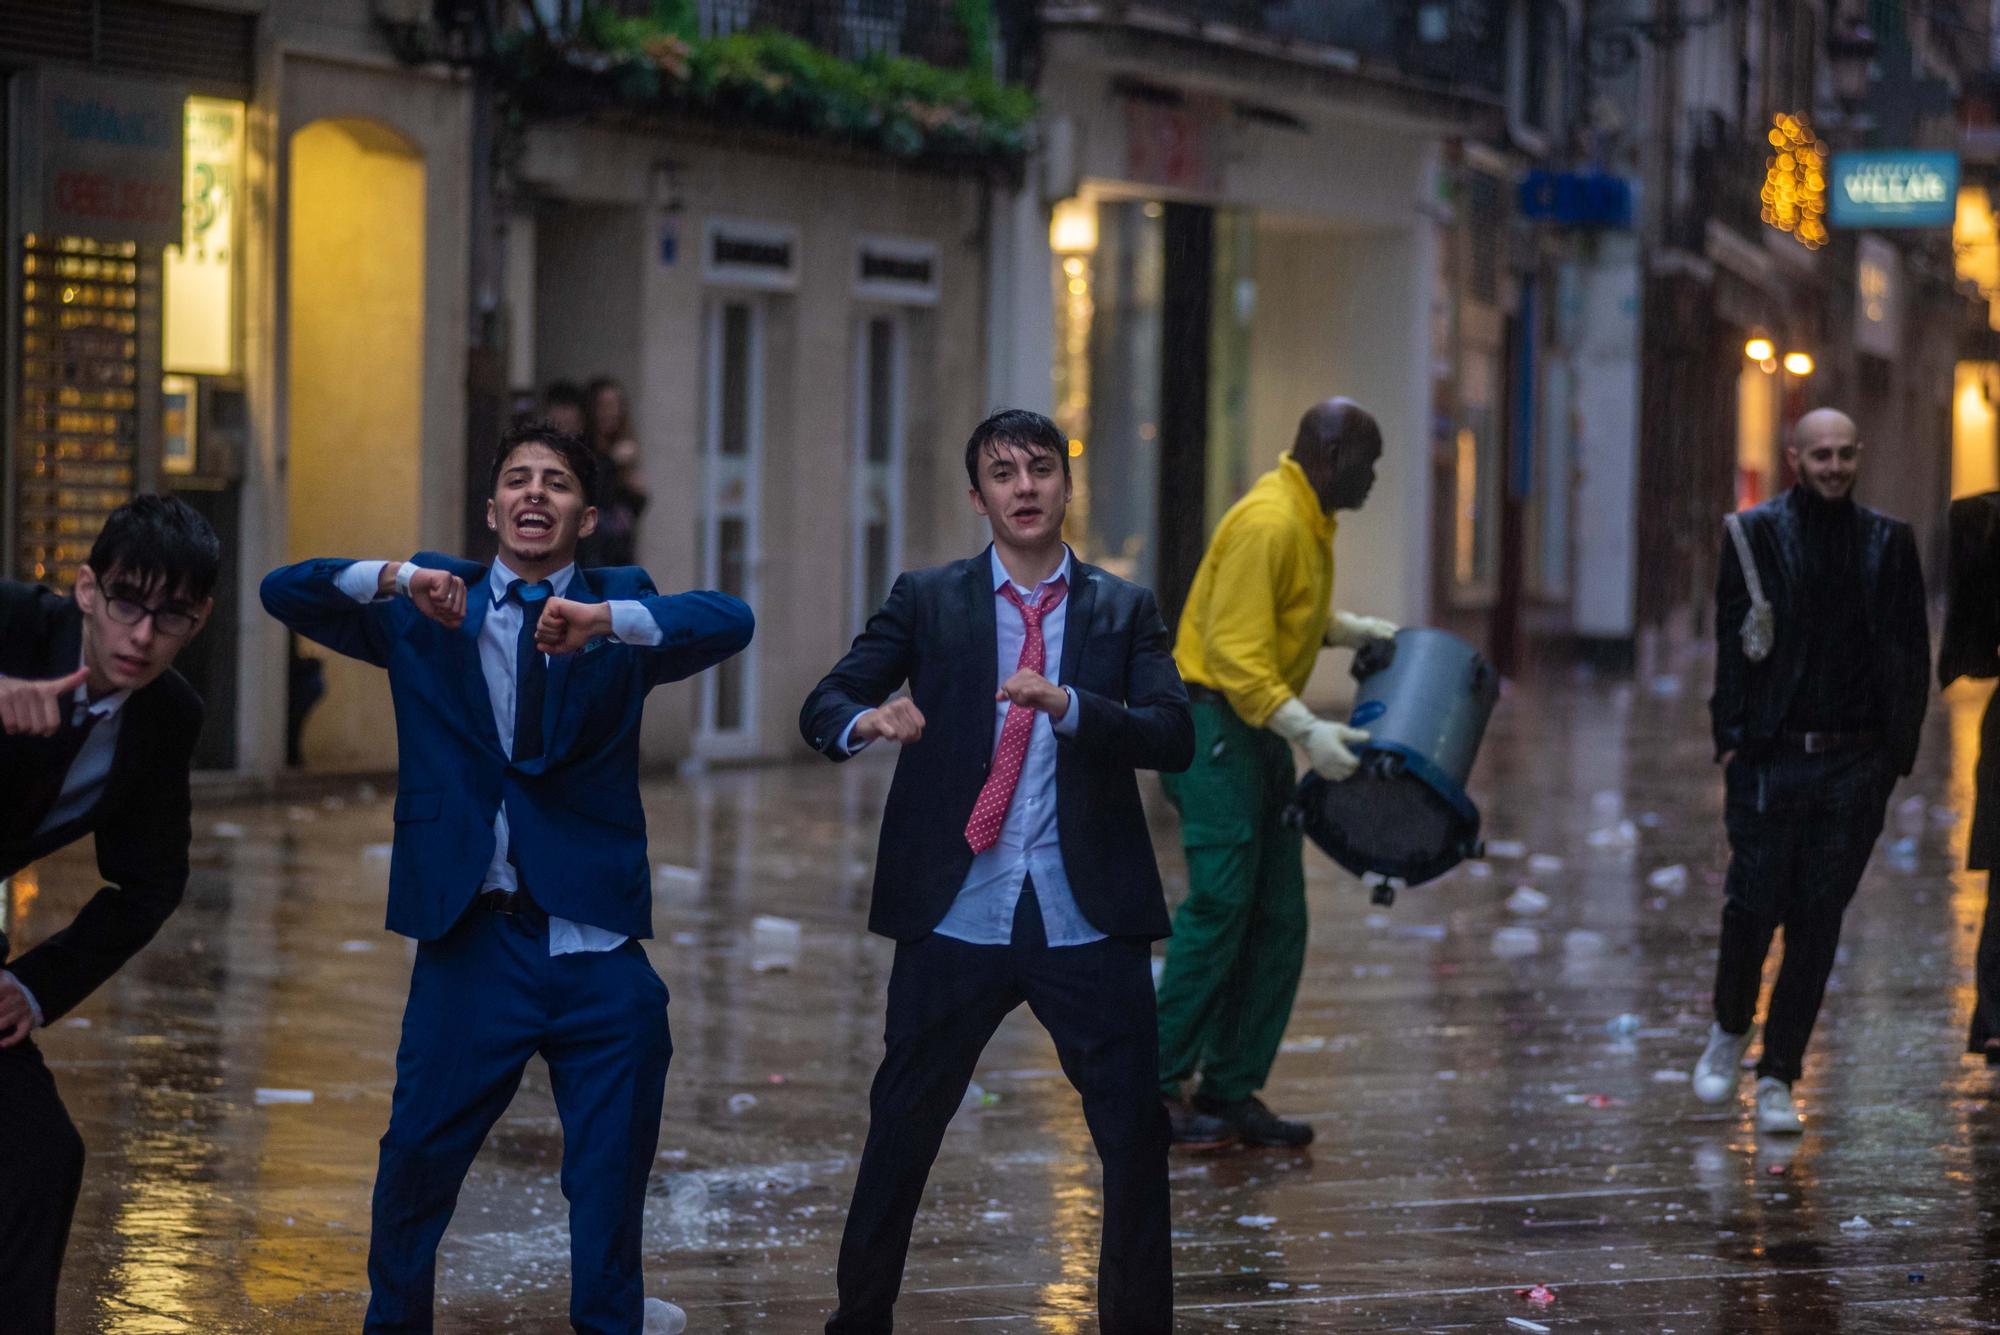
96 736
1014 862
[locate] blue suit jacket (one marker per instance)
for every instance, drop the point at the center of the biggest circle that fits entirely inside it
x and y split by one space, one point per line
576 828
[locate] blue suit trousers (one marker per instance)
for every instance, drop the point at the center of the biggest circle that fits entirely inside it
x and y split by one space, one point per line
484 998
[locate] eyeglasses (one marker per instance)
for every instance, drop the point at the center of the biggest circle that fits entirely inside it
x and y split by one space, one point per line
167 621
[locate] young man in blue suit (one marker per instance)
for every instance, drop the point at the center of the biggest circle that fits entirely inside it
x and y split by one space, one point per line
1014 862
519 861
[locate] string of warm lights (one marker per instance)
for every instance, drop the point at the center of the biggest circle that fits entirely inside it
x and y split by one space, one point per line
1794 193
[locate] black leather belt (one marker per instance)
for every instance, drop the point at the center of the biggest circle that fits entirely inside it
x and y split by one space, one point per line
501 901
1821 743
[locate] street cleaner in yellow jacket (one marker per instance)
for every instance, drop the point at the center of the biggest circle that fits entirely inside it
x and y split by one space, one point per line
1256 619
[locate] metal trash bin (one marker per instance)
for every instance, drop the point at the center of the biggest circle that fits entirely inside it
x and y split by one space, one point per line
1425 698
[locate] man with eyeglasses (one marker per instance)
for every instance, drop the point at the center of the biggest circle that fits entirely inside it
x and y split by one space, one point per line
96 736
1815 716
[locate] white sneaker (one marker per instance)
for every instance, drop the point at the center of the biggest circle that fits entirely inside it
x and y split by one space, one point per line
1777 1113
1720 1067
663 1318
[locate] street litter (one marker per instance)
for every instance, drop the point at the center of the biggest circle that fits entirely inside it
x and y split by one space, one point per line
1479 871
1670 1077
1545 864
1594 1100
1622 1026
1526 900
1624 834
1256 1220
671 880
774 943
1522 1323
742 1103
1856 1225
1582 941
1514 942
977 1096
265 1096
1674 878
1508 849
1541 1295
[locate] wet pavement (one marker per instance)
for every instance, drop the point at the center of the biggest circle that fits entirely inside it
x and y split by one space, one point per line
1488 1122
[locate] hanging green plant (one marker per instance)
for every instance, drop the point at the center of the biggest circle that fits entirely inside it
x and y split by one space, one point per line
904 107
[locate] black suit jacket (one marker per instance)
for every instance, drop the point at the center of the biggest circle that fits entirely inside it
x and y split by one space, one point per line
141 822
1971 646
1751 699
938 633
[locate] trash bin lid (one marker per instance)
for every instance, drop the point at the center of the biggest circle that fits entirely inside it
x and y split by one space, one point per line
1392 818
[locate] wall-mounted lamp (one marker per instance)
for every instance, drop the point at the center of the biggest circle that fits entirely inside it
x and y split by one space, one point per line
1799 363
1759 349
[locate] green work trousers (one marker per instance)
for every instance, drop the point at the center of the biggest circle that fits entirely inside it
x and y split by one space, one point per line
1239 938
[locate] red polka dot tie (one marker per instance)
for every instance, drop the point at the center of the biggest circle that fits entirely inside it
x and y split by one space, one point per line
990 811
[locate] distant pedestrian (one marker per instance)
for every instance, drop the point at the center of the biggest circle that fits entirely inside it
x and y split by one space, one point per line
608 429
563 408
1972 649
1817 708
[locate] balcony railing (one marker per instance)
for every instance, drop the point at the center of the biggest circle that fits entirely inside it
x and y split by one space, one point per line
1461 43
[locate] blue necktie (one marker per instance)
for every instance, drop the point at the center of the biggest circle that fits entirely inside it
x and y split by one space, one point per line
531 671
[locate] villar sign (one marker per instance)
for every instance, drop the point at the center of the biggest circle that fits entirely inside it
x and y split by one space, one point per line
1894 188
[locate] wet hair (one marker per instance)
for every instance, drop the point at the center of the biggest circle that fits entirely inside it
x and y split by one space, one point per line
1018 427
581 459
563 394
159 541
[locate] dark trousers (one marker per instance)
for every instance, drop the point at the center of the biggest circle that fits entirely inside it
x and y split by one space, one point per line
1985 1025
41 1170
945 1000
484 999
1800 831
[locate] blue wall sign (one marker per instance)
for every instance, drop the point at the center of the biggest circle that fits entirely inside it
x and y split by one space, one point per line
1576 199
1893 188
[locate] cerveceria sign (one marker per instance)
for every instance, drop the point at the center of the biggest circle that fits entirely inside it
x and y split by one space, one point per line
1894 188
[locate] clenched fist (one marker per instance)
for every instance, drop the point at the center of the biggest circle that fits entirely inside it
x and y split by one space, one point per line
567 626
440 596
898 721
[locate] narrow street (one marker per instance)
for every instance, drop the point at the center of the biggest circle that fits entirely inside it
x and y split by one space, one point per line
1487 1121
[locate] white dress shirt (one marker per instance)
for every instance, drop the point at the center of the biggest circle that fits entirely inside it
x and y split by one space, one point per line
499 635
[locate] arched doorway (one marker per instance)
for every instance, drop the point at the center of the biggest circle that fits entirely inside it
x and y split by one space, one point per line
355 284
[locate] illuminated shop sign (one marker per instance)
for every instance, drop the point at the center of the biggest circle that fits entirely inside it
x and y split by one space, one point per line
111 159
1895 188
200 272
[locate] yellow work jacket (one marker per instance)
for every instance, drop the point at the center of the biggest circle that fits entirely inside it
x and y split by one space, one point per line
1261 600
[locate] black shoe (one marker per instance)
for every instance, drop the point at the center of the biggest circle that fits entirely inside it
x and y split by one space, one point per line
1196 1130
1256 1124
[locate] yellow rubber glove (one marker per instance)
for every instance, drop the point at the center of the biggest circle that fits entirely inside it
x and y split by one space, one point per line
1325 742
1348 630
